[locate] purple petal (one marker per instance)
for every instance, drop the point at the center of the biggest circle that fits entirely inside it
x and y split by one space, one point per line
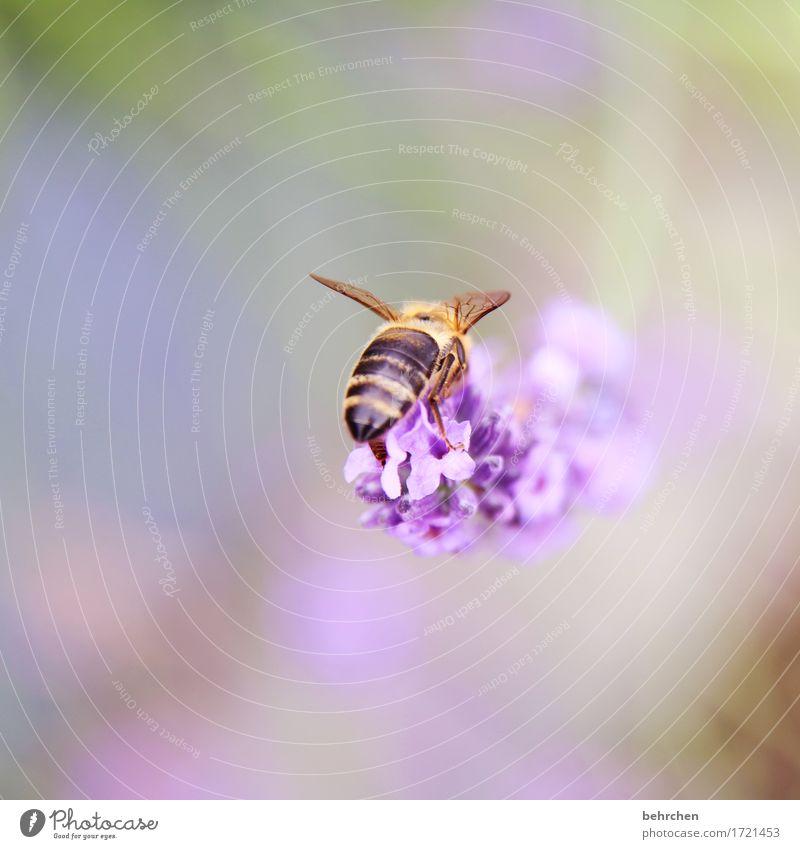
464 502
380 516
455 539
424 508
498 506
393 447
457 465
369 488
390 478
488 432
424 478
541 490
458 432
409 531
418 438
360 461
488 471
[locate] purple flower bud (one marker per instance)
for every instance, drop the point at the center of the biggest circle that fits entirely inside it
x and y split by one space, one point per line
488 471
464 502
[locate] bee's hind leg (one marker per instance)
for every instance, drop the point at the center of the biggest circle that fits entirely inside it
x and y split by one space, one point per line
434 402
450 371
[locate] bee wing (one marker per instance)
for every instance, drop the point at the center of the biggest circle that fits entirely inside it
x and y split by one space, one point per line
471 307
365 298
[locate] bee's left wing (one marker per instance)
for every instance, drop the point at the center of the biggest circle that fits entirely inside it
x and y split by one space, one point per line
471 307
364 297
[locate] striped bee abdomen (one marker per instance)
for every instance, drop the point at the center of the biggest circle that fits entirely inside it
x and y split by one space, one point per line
387 380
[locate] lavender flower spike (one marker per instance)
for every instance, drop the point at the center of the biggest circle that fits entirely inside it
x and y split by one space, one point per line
560 439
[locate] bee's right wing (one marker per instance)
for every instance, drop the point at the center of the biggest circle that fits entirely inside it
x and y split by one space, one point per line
471 307
365 298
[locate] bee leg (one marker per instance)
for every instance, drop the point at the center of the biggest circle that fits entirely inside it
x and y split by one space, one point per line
434 402
378 447
447 376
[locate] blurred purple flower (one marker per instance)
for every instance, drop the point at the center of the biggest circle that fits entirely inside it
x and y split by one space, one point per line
533 453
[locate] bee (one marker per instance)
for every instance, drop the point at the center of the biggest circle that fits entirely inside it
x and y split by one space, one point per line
420 351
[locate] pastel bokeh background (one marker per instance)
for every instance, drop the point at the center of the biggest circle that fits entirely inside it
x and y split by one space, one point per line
189 605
